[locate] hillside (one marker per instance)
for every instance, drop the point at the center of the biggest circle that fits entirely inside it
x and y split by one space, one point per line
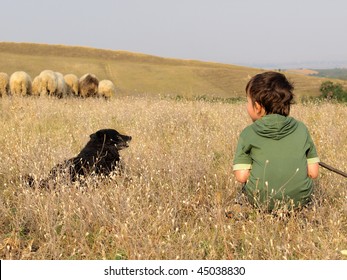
138 74
336 73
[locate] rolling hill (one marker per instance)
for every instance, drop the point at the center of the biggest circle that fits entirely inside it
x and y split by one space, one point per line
140 74
336 73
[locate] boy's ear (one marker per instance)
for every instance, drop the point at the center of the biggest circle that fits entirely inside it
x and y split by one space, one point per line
259 109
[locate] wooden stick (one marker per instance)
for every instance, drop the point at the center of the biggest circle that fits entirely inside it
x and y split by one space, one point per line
333 169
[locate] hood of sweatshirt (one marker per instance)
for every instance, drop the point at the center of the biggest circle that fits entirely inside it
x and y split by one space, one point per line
274 126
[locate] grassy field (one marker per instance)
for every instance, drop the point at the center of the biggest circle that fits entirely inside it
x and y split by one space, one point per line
140 74
170 201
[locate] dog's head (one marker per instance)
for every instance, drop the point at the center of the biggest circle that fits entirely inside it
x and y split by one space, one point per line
111 137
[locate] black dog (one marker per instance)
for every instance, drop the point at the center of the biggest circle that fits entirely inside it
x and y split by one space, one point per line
99 157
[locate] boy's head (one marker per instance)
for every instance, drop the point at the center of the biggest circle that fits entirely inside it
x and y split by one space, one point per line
272 91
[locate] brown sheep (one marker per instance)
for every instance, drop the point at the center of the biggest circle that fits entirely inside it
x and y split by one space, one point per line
88 85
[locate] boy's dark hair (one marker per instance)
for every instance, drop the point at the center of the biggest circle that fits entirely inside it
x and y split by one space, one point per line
272 91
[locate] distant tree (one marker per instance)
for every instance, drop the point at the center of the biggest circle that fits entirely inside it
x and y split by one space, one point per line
332 90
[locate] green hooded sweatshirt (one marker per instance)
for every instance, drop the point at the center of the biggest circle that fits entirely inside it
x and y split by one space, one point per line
277 149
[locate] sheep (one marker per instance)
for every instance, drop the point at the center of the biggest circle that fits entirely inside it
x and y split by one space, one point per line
20 83
36 86
71 81
49 82
61 88
106 89
88 85
4 84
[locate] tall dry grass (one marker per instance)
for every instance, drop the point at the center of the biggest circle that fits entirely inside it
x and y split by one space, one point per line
170 201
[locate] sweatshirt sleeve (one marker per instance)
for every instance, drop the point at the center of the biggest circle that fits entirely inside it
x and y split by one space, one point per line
311 152
242 158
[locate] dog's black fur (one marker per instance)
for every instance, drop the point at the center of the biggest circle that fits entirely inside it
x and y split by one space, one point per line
99 157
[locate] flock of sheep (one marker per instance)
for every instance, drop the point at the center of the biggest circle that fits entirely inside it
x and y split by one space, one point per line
50 83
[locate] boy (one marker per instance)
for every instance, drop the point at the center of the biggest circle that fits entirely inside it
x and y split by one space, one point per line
275 158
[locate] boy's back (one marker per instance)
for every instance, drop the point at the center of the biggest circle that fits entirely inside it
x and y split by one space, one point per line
279 147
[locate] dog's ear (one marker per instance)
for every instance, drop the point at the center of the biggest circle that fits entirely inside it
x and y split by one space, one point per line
93 136
99 135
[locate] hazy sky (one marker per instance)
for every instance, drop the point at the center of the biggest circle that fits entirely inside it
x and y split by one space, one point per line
307 33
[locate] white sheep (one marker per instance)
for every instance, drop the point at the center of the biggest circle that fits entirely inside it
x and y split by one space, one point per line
49 82
4 84
88 85
36 86
61 88
71 81
20 83
106 89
